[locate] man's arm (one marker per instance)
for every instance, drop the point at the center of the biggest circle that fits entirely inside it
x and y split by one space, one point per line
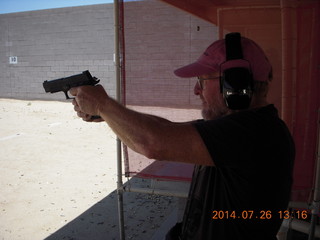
151 136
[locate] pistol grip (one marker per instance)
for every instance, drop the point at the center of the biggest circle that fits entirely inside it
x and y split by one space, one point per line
95 117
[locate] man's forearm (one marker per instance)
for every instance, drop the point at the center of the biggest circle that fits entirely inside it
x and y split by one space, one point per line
152 136
140 132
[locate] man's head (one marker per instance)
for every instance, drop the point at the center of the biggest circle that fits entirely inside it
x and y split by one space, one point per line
219 67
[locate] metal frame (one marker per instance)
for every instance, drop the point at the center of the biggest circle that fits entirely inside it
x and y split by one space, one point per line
118 97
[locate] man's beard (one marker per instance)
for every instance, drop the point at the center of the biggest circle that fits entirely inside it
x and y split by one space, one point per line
211 113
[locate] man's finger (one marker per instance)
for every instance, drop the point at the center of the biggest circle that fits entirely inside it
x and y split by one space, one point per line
76 108
73 91
74 102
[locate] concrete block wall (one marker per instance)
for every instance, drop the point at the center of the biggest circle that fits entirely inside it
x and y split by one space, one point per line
159 39
55 43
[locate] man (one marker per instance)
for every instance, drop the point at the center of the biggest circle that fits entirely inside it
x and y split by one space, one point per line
243 153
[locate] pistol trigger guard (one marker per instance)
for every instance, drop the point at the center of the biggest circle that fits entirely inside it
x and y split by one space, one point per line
67 96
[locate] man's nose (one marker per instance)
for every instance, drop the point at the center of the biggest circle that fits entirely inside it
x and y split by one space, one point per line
197 89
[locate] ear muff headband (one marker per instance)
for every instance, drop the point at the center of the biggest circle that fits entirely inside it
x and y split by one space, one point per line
236 83
233 46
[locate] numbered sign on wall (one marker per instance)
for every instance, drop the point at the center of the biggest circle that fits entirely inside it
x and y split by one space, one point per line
13 60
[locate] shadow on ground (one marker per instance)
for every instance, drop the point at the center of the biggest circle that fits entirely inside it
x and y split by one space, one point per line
144 214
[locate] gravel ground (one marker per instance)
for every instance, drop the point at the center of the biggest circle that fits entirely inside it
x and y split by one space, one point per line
58 179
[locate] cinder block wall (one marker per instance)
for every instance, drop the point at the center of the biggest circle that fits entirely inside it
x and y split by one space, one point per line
55 43
159 39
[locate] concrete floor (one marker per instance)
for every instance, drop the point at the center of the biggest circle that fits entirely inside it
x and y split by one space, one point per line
58 179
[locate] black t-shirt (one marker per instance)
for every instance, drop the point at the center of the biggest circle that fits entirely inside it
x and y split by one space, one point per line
240 198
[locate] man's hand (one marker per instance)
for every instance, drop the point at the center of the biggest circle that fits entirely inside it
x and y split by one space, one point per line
89 101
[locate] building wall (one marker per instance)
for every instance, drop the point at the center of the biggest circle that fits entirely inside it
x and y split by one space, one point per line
159 39
56 43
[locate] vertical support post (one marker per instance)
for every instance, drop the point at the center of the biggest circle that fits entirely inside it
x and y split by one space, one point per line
316 193
118 96
120 192
288 64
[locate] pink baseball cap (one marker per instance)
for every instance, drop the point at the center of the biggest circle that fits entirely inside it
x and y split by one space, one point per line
214 59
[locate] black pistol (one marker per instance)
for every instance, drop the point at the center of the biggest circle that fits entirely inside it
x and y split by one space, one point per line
65 84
